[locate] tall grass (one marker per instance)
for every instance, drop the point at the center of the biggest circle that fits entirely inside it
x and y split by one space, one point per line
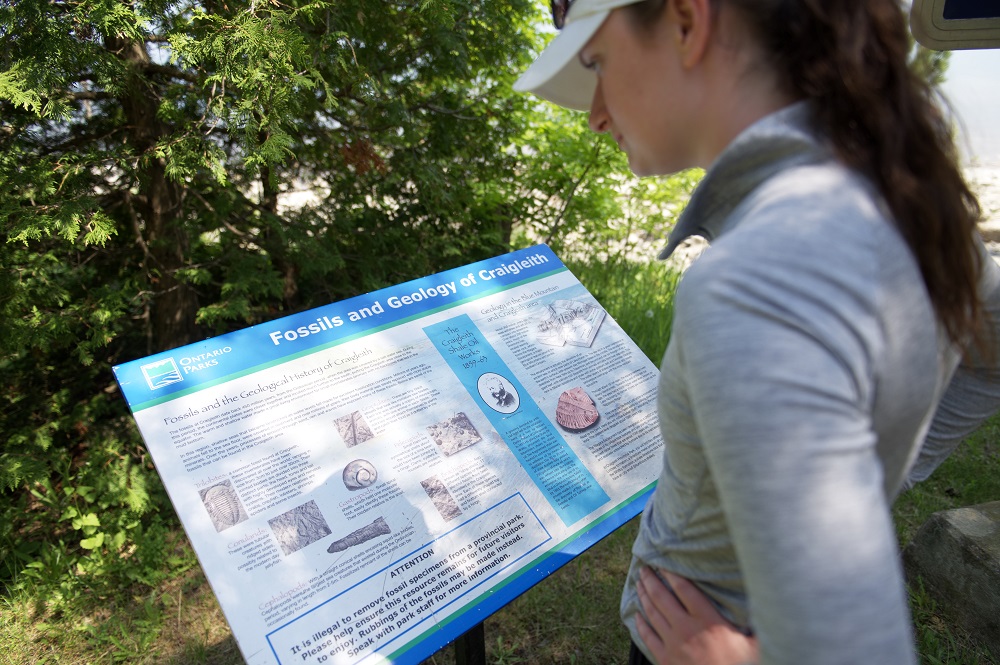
640 296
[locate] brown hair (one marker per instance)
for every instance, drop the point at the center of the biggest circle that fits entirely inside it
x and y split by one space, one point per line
849 57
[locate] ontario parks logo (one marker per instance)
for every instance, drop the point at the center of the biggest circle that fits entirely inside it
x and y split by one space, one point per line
161 373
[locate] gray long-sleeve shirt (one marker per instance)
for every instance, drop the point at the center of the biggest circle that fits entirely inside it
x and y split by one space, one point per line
803 370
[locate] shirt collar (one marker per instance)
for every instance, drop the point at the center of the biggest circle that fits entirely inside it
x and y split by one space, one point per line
777 141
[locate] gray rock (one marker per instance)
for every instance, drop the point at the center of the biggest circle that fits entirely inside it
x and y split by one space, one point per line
957 555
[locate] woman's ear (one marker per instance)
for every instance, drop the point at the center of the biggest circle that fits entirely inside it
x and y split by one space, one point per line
691 27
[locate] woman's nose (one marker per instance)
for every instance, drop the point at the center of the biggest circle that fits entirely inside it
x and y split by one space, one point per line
598 112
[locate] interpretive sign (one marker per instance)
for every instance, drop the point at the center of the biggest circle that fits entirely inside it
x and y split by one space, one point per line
366 481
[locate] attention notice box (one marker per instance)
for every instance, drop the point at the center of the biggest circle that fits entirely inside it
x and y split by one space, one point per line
366 481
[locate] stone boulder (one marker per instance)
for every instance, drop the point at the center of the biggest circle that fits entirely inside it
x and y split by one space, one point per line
957 555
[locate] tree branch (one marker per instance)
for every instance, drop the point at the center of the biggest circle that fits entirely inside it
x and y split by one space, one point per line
76 142
89 95
572 192
137 227
172 72
457 113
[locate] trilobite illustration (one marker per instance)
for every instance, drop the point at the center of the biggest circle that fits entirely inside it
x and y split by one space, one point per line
576 410
223 506
359 474
367 532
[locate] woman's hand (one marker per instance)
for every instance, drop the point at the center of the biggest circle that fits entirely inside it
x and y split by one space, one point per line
684 628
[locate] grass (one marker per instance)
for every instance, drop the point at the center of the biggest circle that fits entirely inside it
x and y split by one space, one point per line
571 617
969 477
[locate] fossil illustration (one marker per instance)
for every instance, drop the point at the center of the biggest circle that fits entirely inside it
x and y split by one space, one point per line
299 527
441 498
367 532
576 410
359 474
354 429
223 506
455 434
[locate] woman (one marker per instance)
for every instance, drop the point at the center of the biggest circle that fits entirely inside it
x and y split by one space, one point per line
815 339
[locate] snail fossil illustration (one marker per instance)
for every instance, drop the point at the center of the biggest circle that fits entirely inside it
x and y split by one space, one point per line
359 474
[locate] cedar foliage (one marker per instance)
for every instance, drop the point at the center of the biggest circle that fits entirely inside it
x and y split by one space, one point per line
149 151
144 151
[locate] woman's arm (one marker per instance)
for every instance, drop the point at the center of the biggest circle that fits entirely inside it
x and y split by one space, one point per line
811 362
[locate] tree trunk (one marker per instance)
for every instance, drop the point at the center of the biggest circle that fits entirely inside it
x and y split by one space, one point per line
279 256
158 206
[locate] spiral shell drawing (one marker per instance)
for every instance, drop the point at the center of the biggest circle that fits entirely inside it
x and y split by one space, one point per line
576 410
359 474
367 532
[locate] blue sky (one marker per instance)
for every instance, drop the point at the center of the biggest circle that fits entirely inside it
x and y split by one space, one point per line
973 88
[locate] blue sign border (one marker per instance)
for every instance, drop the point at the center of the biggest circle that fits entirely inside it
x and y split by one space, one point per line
242 352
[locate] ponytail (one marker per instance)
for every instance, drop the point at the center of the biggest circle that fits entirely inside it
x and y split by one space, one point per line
850 58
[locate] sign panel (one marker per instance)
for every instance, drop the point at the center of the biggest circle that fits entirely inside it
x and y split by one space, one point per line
366 481
946 25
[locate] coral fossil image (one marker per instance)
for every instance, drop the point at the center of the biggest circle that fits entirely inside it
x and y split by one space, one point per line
298 527
353 429
576 410
367 532
223 506
359 474
455 434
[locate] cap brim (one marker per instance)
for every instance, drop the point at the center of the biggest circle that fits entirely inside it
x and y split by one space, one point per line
557 75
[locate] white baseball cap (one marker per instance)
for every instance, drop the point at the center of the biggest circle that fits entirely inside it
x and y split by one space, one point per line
557 74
